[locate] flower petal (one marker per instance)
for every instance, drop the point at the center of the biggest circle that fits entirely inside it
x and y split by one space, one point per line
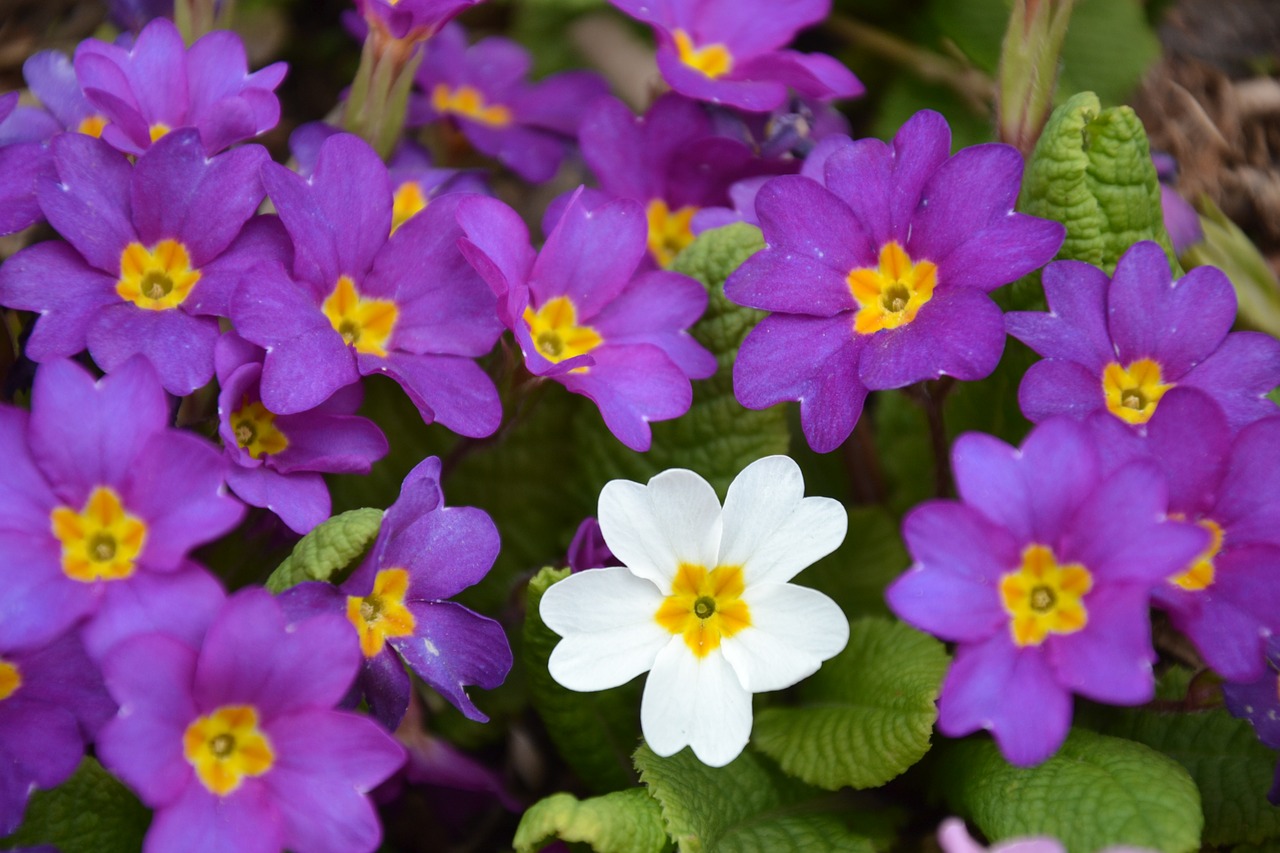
697 702
654 528
793 630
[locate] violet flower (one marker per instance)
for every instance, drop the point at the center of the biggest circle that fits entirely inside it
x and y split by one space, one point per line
879 279
425 553
1180 218
588 550
410 20
584 318
52 79
1040 574
1258 701
1118 345
23 159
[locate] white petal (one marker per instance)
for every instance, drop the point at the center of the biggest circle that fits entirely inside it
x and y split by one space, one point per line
698 702
653 529
793 630
771 529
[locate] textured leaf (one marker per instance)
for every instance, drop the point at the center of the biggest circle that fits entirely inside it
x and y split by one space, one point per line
869 559
1095 792
89 813
328 549
866 716
622 822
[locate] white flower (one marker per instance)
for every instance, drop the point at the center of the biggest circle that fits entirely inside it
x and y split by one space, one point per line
703 601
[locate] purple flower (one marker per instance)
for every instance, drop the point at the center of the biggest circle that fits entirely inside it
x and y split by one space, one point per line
1040 574
1180 218
1259 702
585 319
394 601
149 249
483 90
99 495
158 86
52 79
134 14
730 51
237 743
880 279
588 550
276 460
410 20
1118 345
361 300
23 159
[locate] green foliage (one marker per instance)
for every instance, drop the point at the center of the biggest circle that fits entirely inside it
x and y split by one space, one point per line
328 549
869 559
866 716
1095 792
622 822
1229 249
89 813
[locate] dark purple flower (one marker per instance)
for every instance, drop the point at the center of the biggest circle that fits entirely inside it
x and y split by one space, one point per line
1180 218
410 20
23 160
1259 703
583 317
1118 345
361 300
588 550
52 79
237 743
425 552
159 85
1040 574
134 14
149 249
879 279
483 89
730 51
791 129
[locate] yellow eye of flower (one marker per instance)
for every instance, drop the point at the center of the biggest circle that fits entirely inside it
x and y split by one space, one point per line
1132 392
891 295
556 333
669 230
713 60
10 679
365 324
705 606
381 613
227 746
1043 597
102 541
468 102
157 279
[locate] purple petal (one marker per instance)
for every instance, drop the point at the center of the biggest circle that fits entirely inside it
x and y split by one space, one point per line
1189 437
1006 250
814 75
1075 328
632 384
42 742
452 648
40 601
198 821
803 219
1109 660
446 388
26 499
177 345
386 687
1055 387
88 204
1239 375
262 240
334 444
497 245
301 500
861 174
61 675
989 477
1249 502
1062 470
590 256
560 102
753 96
974 189
177 604
947 605
68 310
445 551
23 166
959 332
52 79
656 308
960 540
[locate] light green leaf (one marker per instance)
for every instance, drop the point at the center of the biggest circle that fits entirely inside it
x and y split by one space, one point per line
89 813
1097 791
866 716
1229 249
328 549
622 822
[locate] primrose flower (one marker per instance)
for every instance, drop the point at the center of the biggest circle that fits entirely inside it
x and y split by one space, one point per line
702 602
52 79
879 279
1258 701
1041 573
483 91
1119 345
362 300
159 85
584 318
410 20
425 552
238 743
730 51
23 158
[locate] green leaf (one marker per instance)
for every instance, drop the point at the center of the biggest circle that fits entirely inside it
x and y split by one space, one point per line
1092 171
1096 791
329 548
622 822
745 806
594 732
869 559
1228 248
866 716
89 813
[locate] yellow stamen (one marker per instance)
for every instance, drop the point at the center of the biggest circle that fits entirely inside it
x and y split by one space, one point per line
892 294
158 130
10 679
365 324
1132 392
468 102
705 607
1201 573
381 613
158 278
92 126
409 201
556 333
255 429
1043 597
101 542
669 230
227 746
713 60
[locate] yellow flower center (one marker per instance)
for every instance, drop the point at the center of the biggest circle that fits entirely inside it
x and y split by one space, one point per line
1201 573
669 230
892 294
158 130
556 333
158 278
255 429
1044 598
705 606
468 102
408 201
92 126
713 60
1132 392
381 613
102 541
10 679
227 746
365 324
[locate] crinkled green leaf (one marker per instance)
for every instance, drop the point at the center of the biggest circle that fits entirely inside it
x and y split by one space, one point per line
594 732
621 822
1096 791
745 806
328 549
1092 171
869 559
866 716
717 437
89 813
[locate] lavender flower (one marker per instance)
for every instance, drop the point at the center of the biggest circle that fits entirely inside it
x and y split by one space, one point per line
23 158
1258 701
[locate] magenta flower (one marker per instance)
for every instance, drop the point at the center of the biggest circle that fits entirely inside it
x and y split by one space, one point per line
730 51
1259 702
483 91
425 553
362 300
410 20
237 743
158 86
1040 574
150 249
880 279
1119 344
277 460
585 319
